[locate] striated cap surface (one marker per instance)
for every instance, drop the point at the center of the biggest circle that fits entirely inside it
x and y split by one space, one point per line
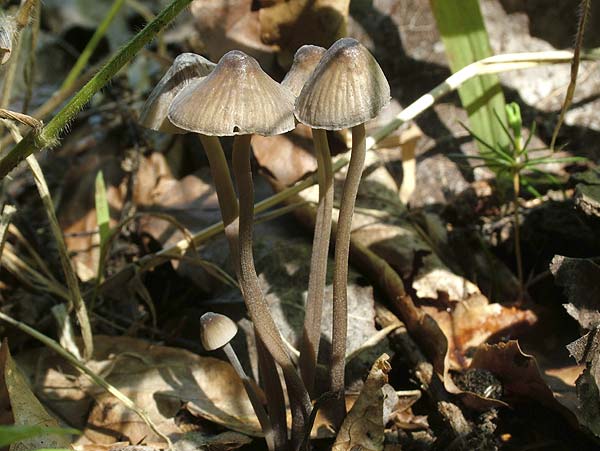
237 98
216 330
186 68
347 88
305 60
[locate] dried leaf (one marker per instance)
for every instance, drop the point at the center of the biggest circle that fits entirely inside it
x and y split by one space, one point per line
23 408
521 377
160 380
289 24
363 427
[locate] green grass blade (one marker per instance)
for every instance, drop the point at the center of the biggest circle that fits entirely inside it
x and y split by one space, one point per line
466 40
102 209
14 434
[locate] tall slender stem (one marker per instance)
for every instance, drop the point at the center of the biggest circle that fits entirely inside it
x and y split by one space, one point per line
340 277
309 346
517 225
256 303
257 405
228 203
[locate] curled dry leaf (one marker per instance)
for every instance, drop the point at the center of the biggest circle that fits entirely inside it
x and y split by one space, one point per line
363 427
19 406
521 378
161 380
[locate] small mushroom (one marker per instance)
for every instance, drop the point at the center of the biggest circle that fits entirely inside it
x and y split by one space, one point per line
305 60
346 89
6 34
216 332
186 68
239 99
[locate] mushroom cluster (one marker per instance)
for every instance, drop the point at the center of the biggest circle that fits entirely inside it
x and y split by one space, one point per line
342 87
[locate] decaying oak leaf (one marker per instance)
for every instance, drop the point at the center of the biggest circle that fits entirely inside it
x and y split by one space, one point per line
161 380
363 427
292 23
19 406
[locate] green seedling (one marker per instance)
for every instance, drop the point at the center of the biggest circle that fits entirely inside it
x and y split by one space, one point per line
512 162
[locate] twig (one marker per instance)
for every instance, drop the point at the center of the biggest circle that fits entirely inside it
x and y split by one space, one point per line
49 342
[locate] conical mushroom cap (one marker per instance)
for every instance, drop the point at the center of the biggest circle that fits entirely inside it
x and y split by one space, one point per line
186 68
347 88
237 98
305 60
6 32
216 330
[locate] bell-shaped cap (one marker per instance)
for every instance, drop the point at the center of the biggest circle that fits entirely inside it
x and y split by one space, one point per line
186 68
216 330
305 60
6 32
347 88
237 98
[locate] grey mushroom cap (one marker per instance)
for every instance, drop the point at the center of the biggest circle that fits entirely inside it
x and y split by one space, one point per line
216 330
305 60
186 68
237 98
347 88
6 34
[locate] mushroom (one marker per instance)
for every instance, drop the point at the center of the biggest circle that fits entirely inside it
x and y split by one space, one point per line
217 331
346 89
305 60
188 68
239 99
6 34
185 68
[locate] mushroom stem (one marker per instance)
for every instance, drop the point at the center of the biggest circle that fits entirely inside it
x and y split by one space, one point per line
340 277
228 203
309 346
254 397
256 303
271 384
222 178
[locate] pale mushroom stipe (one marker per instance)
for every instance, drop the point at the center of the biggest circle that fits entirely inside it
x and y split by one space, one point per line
346 89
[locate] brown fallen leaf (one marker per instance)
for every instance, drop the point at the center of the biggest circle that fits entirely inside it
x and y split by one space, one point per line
231 25
293 23
363 427
161 380
19 406
521 377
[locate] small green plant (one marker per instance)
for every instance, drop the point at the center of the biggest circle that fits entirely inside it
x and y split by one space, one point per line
512 163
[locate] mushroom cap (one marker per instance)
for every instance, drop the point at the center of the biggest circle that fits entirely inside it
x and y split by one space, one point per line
216 330
305 60
237 98
6 33
347 88
185 68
